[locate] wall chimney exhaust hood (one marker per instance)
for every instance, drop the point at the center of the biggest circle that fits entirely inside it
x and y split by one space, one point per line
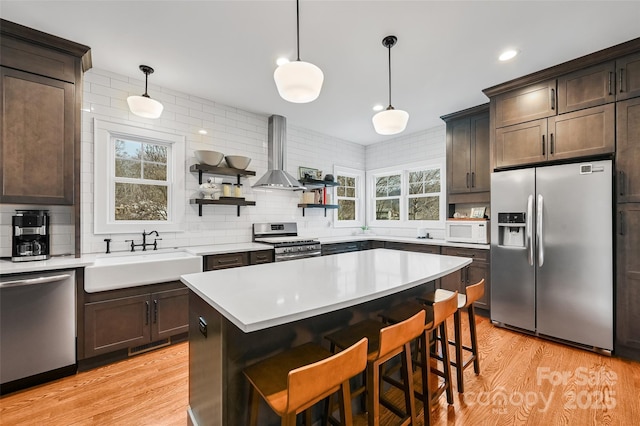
276 177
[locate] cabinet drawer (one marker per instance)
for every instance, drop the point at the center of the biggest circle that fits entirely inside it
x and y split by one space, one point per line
422 248
587 88
262 256
340 248
526 104
477 254
223 261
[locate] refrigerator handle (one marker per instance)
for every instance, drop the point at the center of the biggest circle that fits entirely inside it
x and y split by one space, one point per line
539 228
529 229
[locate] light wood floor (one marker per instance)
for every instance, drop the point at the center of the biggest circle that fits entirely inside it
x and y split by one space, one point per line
524 380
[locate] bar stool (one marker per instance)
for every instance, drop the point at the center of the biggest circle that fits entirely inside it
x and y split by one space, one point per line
294 380
436 315
465 301
385 342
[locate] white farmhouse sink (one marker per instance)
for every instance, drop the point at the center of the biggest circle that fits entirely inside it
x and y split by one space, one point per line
113 271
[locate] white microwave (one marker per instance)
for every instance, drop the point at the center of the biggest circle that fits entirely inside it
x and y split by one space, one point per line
467 231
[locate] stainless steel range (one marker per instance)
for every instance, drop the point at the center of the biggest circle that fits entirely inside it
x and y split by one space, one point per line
284 238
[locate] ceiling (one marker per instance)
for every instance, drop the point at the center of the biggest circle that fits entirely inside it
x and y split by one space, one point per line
225 51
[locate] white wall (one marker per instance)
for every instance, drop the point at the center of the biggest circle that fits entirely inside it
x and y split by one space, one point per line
231 131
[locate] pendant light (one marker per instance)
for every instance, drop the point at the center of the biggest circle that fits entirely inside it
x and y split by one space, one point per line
298 82
390 121
143 105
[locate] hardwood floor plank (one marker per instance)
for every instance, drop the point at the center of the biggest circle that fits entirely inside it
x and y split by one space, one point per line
524 380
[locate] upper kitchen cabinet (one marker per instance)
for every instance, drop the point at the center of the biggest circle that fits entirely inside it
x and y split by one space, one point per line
468 168
628 151
525 104
586 88
41 90
628 69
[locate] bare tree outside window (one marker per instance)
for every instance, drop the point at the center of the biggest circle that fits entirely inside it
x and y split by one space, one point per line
346 192
388 191
423 202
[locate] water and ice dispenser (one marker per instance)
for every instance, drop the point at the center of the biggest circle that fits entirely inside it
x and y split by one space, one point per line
511 229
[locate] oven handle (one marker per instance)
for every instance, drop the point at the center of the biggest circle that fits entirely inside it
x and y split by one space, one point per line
34 281
292 256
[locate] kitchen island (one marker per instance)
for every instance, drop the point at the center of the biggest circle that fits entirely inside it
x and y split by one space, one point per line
240 316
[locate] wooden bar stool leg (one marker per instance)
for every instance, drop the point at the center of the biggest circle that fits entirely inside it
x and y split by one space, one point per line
474 339
373 393
288 420
426 377
407 378
458 345
345 404
444 344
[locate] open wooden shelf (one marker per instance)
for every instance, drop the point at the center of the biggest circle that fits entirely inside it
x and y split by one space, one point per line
230 201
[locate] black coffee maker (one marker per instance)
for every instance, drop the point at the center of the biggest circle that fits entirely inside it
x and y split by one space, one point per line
30 235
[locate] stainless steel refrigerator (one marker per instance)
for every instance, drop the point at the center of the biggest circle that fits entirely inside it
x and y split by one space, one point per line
552 252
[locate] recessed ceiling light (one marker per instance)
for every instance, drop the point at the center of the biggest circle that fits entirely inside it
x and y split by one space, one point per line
202 131
378 107
282 61
508 54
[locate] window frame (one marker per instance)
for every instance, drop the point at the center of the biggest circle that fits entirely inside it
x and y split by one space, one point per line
360 219
403 171
106 133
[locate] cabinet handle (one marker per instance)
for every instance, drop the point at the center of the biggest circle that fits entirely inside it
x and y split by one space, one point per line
551 143
227 261
473 179
621 223
467 180
465 254
610 83
553 99
621 182
147 316
621 79
155 311
543 146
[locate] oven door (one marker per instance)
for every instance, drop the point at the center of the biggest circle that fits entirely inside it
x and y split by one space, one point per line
281 257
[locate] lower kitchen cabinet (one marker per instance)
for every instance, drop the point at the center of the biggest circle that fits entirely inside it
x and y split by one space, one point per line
128 318
262 256
627 336
342 247
479 269
422 248
214 262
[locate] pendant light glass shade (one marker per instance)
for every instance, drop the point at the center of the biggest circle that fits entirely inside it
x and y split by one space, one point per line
298 82
390 121
143 105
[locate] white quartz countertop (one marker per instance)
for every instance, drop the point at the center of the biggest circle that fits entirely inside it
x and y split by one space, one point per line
55 263
266 295
413 240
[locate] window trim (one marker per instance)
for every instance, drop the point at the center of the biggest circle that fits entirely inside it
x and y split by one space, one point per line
360 199
104 180
403 171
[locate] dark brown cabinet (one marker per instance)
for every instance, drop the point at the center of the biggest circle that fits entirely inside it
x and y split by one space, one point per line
226 260
586 88
468 167
336 248
582 133
121 319
628 281
262 256
526 104
479 269
628 151
422 248
41 91
628 69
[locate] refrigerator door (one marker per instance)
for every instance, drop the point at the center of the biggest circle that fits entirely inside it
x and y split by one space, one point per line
575 279
512 270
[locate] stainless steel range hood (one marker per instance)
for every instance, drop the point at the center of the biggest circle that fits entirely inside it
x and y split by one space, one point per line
276 177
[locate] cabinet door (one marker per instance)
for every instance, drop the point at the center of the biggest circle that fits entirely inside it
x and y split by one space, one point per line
170 313
526 104
521 144
459 156
582 133
476 272
628 277
116 324
628 151
586 88
453 281
262 256
480 164
227 260
37 147
628 77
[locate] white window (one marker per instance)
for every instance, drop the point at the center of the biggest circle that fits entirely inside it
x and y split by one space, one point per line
349 195
407 196
139 179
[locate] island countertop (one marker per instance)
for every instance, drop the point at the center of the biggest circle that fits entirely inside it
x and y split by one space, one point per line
262 296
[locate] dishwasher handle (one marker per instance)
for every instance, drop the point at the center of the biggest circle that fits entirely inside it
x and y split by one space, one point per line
34 281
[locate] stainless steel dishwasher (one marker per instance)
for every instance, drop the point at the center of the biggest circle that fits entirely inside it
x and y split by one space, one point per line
37 328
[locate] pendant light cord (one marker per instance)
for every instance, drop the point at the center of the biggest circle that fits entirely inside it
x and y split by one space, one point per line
389 47
298 27
146 82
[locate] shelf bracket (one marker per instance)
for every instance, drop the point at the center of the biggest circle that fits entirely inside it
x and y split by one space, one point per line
199 209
